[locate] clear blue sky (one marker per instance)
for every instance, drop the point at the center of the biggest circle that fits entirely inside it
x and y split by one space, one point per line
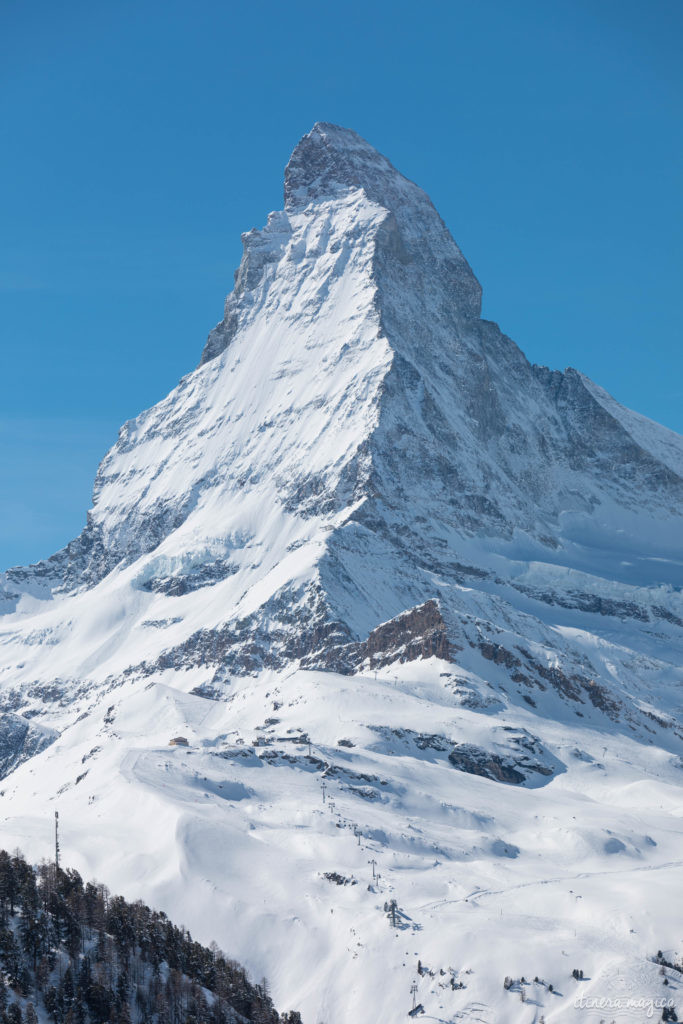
139 139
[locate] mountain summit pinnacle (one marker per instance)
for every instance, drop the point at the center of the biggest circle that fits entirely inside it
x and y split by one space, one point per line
333 166
330 158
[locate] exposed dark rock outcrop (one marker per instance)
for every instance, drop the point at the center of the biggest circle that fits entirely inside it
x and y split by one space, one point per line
20 740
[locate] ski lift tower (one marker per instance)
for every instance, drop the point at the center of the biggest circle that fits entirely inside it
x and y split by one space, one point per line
57 841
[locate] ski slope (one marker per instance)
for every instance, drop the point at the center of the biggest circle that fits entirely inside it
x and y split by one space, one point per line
232 833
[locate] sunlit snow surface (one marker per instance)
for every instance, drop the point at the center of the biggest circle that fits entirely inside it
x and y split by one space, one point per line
234 839
356 443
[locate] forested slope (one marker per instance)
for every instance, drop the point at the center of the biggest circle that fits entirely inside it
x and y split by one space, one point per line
71 952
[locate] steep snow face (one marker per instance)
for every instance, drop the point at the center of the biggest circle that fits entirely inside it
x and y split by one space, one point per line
289 403
365 508
293 397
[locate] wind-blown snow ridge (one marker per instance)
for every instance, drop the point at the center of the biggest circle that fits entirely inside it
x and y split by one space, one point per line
363 480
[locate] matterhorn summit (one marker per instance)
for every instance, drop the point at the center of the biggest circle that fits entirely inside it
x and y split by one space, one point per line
366 552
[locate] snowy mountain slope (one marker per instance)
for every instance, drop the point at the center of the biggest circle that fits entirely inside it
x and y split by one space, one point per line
361 480
579 867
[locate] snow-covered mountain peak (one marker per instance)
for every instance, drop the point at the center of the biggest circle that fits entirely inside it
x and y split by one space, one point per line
352 378
365 548
331 158
339 193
